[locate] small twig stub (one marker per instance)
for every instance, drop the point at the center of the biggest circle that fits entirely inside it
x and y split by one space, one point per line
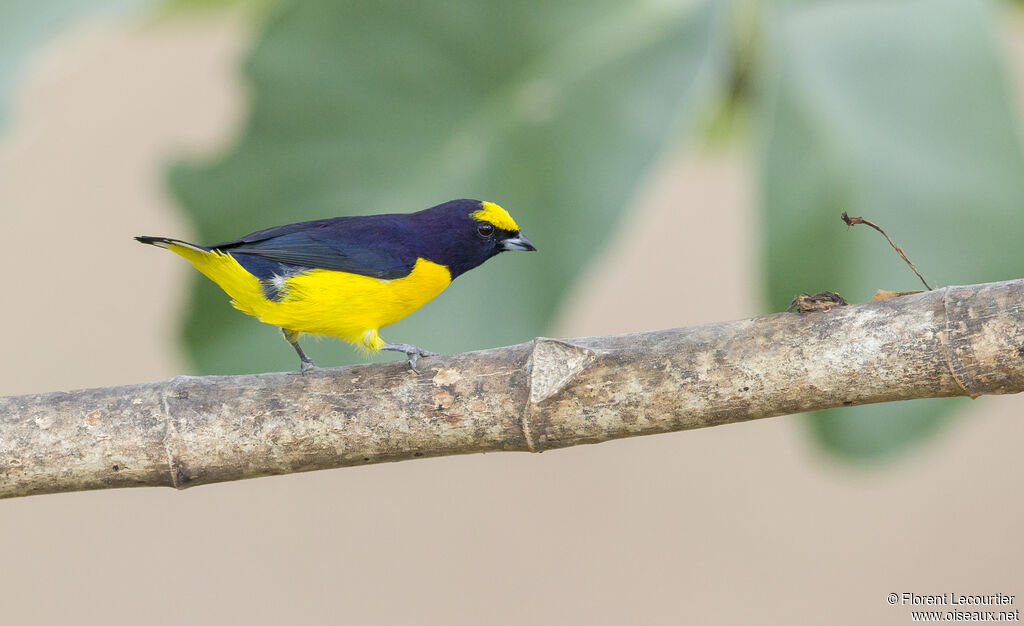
885 294
823 301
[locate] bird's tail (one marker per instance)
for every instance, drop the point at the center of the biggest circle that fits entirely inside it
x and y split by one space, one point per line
220 267
166 242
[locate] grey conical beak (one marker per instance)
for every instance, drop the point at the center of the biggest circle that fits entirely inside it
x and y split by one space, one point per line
520 242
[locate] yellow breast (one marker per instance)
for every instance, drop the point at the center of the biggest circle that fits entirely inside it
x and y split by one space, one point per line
325 302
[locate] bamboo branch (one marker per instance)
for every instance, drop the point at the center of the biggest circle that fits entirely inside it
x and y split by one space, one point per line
535 396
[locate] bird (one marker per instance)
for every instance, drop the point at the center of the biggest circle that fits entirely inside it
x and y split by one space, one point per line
348 277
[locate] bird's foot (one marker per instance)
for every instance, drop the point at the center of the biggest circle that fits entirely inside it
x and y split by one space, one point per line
411 351
292 337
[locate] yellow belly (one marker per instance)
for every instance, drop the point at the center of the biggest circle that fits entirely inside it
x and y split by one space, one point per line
325 302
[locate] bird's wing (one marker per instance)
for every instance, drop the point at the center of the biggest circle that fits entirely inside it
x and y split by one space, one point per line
344 245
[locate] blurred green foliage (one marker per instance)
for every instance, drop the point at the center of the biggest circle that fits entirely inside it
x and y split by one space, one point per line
255 9
898 110
554 110
895 110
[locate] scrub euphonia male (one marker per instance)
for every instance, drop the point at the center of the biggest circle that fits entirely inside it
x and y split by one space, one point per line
348 277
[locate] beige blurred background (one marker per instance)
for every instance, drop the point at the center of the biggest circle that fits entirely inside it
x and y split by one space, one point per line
743 524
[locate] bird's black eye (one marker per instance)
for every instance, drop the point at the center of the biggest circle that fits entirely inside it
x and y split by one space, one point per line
485 230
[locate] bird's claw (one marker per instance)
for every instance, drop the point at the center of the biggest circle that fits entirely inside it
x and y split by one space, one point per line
415 357
411 351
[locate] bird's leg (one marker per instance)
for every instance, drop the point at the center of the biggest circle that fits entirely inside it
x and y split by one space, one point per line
410 351
292 337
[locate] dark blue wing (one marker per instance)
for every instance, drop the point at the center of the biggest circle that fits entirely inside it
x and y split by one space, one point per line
375 246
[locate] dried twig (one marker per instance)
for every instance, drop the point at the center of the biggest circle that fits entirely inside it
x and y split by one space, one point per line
851 221
530 397
885 294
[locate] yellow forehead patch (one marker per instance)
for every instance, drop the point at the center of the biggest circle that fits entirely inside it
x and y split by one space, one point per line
490 212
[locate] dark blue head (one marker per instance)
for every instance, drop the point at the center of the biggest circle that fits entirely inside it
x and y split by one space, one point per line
462 234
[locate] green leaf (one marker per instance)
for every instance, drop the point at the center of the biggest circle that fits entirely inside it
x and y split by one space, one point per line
898 112
26 24
253 9
552 109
